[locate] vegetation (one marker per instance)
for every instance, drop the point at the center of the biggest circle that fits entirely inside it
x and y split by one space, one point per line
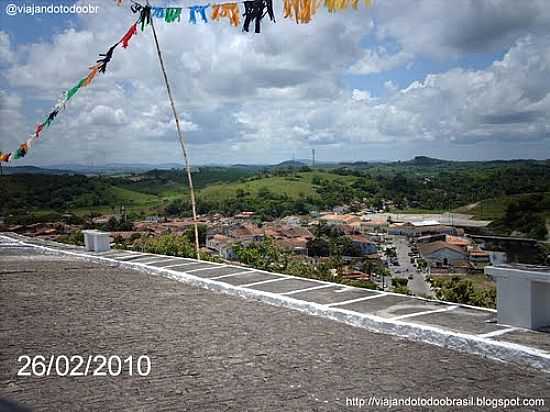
400 286
476 291
527 215
170 245
74 238
495 190
267 256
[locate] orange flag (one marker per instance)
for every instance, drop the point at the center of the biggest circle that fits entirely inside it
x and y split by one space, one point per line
88 79
229 10
301 10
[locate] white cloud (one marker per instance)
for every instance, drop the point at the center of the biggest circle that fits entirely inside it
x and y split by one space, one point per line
501 103
6 54
254 98
12 124
379 60
442 29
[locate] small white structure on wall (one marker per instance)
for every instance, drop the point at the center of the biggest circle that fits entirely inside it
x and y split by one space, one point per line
523 295
96 241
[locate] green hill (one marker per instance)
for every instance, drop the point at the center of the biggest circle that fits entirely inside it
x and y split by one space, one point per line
45 193
294 186
494 209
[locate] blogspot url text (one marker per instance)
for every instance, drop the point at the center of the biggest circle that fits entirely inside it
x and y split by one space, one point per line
445 402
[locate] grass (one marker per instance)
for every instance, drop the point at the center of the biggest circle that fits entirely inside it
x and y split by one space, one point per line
493 209
134 202
148 198
293 186
132 197
479 281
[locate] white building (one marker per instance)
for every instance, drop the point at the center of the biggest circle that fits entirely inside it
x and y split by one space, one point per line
443 254
421 228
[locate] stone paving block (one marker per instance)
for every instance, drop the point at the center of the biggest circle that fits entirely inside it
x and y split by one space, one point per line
170 262
215 271
373 306
148 258
333 294
130 258
187 266
411 307
462 320
248 278
111 253
539 340
287 285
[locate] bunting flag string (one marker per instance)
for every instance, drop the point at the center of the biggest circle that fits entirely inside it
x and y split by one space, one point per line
200 10
227 10
254 12
301 10
100 66
106 58
129 34
171 14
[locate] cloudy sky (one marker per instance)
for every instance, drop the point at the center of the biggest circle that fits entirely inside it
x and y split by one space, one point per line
468 80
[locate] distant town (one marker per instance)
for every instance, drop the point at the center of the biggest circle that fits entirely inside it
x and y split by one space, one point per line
425 227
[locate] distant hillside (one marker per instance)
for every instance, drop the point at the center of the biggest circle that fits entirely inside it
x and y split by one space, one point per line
425 161
19 170
293 186
117 168
420 184
41 192
291 164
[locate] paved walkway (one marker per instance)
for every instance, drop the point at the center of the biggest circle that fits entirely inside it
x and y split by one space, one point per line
460 327
215 352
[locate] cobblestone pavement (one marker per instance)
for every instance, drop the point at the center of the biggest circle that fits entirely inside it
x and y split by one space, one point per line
214 352
471 329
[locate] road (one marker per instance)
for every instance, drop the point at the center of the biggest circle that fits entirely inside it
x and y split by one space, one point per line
417 285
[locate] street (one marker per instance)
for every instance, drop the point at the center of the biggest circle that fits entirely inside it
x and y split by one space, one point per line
417 285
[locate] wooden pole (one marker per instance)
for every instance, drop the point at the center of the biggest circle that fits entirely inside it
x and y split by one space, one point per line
182 142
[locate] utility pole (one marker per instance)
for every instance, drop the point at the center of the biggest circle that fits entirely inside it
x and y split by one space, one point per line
312 158
182 142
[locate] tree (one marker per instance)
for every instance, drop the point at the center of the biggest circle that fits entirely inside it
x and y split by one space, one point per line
240 193
399 285
318 247
190 234
464 291
171 245
263 255
264 193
